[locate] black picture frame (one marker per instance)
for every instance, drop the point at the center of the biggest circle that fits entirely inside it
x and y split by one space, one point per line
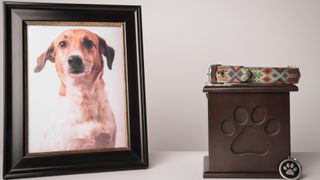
15 162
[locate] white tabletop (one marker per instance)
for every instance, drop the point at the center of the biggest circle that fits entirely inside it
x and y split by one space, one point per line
184 165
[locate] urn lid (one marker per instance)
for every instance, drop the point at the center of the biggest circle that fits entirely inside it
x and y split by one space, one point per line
213 88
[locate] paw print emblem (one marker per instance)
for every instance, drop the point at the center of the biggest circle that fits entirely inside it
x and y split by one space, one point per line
290 169
251 130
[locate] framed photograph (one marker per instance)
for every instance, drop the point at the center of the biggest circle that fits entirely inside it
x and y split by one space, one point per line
74 89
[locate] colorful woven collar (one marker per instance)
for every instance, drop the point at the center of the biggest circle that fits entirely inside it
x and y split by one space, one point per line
262 75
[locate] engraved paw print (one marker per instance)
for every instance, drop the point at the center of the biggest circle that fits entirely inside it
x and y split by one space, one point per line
290 169
250 132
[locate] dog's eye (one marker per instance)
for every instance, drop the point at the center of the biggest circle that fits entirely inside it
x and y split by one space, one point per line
62 44
87 43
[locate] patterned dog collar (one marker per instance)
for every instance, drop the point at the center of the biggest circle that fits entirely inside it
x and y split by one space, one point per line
262 75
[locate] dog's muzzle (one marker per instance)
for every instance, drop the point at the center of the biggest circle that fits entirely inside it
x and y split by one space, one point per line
76 64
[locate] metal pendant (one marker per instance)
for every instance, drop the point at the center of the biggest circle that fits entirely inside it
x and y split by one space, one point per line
290 169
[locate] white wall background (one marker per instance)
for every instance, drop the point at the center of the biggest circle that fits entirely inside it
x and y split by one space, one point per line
183 37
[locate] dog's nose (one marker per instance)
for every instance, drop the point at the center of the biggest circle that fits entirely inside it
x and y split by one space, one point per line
75 61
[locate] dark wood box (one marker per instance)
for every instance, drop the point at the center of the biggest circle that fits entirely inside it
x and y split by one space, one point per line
249 130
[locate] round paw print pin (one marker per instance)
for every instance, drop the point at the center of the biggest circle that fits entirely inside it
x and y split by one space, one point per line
290 169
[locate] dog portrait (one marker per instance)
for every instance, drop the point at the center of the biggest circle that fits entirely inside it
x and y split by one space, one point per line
76 87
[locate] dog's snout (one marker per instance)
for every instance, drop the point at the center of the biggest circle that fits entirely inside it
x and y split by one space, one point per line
76 65
75 61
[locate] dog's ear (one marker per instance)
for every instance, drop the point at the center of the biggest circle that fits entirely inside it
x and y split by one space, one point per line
41 60
107 51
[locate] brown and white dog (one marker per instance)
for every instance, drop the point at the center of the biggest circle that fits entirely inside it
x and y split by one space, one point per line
77 54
